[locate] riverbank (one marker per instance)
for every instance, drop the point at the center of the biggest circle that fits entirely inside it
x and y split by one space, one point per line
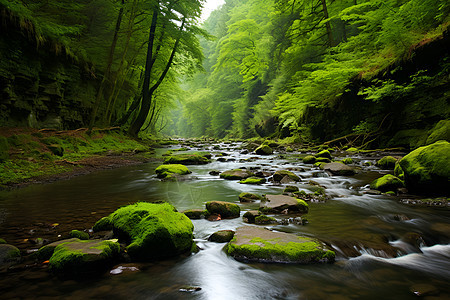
29 156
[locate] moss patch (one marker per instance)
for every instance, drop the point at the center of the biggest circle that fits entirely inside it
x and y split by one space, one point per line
186 159
264 150
309 159
166 170
387 183
253 180
79 235
387 162
236 174
441 131
324 153
264 220
248 197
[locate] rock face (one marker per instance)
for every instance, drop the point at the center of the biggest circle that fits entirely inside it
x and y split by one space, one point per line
77 257
154 230
261 245
222 236
264 150
339 169
279 175
164 171
282 203
387 183
236 174
427 169
224 209
186 159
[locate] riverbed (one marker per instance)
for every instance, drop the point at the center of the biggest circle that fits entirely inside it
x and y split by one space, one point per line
384 249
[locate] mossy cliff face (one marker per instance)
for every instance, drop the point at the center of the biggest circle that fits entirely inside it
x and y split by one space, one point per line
427 169
153 230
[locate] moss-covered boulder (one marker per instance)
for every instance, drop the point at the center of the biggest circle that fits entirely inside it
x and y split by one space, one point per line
290 189
387 183
265 220
264 150
387 163
309 159
164 171
236 174
282 203
224 209
4 147
249 216
154 230
339 169
441 131
324 153
257 244
186 159
427 169
8 255
248 197
195 214
222 236
347 161
279 175
253 180
79 234
77 257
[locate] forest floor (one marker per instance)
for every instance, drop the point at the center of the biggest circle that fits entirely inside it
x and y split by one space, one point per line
30 156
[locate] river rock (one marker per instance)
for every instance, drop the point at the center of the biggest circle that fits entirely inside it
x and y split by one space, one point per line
248 197
253 180
387 163
339 169
155 230
309 159
290 189
222 236
165 171
427 169
8 255
195 214
324 153
265 220
236 174
282 203
77 257
224 209
186 159
257 244
279 175
249 216
79 234
264 150
387 183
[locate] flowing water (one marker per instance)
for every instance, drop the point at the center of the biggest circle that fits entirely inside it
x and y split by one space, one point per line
370 233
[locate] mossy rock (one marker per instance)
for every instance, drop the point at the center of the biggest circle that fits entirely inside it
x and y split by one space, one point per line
387 163
249 216
324 153
253 180
323 160
248 197
441 131
290 189
8 255
257 244
224 209
104 224
320 164
398 172
283 203
164 171
236 174
387 183
155 230
2 241
196 214
264 150
427 169
186 159
347 161
81 258
289 149
79 234
309 159
222 236
265 220
279 175
4 147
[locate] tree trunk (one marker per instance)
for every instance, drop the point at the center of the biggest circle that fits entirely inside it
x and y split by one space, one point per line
108 68
327 24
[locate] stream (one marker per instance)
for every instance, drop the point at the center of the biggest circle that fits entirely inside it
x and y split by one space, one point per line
371 234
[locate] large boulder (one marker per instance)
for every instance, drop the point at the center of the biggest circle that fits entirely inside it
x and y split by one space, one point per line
236 174
339 169
154 230
75 257
387 183
264 150
427 169
186 159
279 175
282 203
261 245
324 153
224 209
164 171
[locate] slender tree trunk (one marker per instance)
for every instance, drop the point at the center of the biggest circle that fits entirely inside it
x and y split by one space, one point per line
108 68
327 24
147 94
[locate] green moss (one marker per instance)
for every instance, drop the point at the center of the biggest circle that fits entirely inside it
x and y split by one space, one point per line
79 234
323 160
347 161
224 209
236 174
195 214
427 169
309 159
263 220
264 150
410 138
103 224
324 153
290 189
398 171
352 149
279 175
155 230
441 131
253 180
186 159
2 241
320 164
165 170
387 162
248 197
387 183
222 236
4 147
250 216
289 149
